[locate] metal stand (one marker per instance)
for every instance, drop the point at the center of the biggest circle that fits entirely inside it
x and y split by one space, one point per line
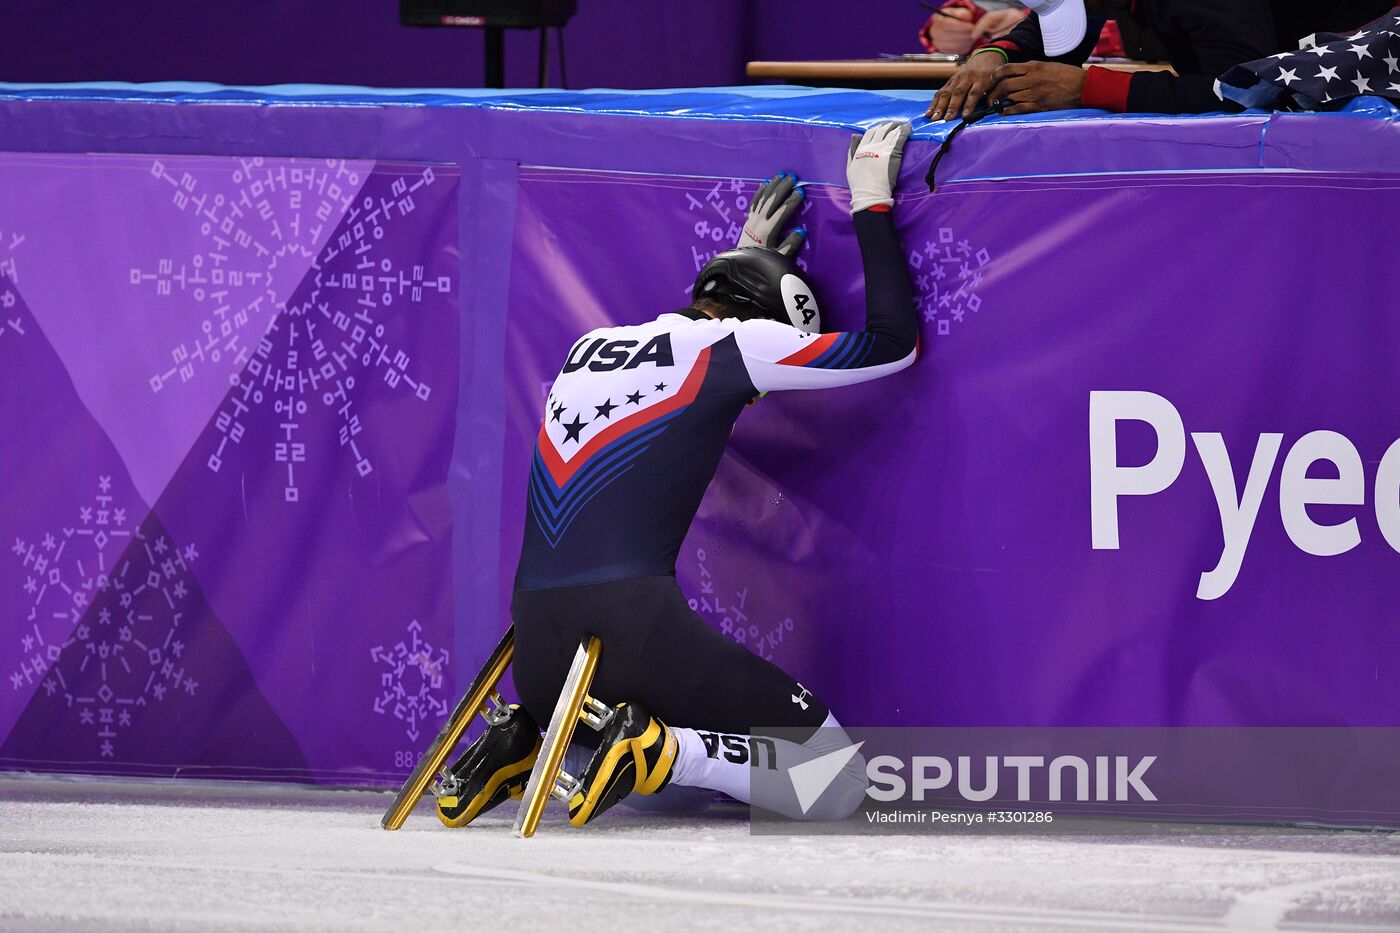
544 55
495 56
563 68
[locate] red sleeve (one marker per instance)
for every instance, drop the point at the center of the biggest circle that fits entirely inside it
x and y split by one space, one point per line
1106 89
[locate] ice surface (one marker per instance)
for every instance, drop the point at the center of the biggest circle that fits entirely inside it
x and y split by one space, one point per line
117 856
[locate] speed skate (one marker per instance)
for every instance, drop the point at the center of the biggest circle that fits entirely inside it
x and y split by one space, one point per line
511 760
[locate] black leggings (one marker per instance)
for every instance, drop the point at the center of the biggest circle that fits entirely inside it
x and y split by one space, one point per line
657 653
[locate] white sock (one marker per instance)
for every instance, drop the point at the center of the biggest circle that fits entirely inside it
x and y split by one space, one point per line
725 762
695 768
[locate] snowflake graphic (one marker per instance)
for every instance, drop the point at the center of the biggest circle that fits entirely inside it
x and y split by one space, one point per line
730 612
411 680
252 222
297 354
106 603
948 275
722 209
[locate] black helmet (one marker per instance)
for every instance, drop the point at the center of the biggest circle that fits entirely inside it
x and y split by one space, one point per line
765 280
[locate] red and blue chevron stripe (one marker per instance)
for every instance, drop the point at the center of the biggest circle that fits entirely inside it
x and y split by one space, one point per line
560 489
833 351
555 508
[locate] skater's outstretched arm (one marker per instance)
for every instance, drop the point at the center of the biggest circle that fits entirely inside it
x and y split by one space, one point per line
781 357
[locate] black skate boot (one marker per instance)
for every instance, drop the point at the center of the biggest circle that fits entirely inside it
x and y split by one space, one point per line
496 766
635 754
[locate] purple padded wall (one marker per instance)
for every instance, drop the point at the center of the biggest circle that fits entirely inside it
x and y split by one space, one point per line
271 368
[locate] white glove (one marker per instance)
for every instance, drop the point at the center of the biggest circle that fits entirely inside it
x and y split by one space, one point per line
872 165
772 206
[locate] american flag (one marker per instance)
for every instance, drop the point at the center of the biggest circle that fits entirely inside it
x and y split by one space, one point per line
1326 70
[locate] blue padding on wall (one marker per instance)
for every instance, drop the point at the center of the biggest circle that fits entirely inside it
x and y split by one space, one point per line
761 103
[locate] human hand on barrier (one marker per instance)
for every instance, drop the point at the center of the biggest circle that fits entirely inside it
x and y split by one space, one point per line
961 94
794 242
872 164
774 204
1033 87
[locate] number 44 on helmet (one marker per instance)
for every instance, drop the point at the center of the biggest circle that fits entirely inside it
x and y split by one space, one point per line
765 280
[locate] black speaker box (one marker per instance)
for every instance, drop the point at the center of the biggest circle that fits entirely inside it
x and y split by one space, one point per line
518 14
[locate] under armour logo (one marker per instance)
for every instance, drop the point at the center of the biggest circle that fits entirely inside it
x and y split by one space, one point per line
801 698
